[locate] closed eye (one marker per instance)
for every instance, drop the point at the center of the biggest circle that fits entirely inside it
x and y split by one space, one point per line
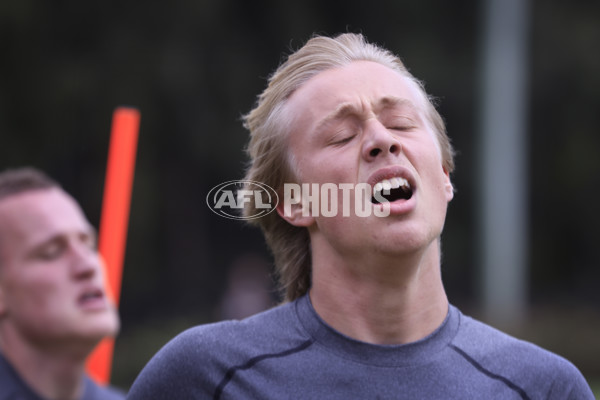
399 122
343 141
90 239
402 128
51 250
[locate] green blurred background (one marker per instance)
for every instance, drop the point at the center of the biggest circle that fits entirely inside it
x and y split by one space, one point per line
193 67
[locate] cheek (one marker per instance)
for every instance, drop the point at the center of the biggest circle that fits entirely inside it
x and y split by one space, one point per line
431 155
343 166
440 186
40 290
321 170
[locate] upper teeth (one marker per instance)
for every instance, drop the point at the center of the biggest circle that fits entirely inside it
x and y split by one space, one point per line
393 183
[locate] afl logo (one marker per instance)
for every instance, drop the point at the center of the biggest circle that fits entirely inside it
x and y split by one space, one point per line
228 199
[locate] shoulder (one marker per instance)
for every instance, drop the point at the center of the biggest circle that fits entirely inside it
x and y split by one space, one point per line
524 364
266 331
196 360
11 384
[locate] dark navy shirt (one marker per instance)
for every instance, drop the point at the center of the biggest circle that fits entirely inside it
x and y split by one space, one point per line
12 387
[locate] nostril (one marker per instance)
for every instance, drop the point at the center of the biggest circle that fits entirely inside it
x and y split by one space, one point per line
394 148
374 152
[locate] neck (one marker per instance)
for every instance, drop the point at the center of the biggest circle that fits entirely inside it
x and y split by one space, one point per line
50 372
378 299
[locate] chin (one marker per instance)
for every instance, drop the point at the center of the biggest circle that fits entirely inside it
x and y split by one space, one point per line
112 326
106 326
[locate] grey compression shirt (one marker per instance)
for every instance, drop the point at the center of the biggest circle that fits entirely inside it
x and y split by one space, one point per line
289 353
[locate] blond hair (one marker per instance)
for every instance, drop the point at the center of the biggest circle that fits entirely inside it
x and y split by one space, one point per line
270 160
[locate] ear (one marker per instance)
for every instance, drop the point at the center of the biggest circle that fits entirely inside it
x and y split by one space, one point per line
292 209
448 187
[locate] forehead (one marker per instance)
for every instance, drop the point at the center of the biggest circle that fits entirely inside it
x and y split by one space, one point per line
362 84
35 216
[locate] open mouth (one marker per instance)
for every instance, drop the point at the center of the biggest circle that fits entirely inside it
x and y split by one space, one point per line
91 296
390 190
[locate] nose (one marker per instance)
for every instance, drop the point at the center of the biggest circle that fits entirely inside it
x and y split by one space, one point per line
379 142
85 262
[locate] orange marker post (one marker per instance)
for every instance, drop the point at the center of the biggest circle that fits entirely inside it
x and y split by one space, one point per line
114 220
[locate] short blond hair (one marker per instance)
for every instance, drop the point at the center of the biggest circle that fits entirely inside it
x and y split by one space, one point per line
270 161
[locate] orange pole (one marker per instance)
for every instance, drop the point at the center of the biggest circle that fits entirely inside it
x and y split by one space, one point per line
113 222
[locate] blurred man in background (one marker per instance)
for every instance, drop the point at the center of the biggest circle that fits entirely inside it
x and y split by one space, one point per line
367 315
53 306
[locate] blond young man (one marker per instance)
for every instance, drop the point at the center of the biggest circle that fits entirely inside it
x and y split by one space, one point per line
53 307
366 315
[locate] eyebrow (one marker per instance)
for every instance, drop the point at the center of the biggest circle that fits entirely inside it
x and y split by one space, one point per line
393 101
345 109
91 232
